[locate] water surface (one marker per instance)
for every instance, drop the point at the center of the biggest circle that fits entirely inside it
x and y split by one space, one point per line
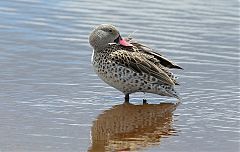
51 100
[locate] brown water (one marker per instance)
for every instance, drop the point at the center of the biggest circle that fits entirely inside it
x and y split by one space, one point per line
51 100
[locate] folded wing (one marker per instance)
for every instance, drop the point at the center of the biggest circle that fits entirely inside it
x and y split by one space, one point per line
162 60
141 63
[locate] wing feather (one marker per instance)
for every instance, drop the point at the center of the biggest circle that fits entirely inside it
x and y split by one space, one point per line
140 63
145 49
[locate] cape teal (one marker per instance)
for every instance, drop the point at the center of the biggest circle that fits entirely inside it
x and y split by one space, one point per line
130 66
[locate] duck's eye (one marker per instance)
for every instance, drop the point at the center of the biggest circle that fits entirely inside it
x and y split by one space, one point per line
110 30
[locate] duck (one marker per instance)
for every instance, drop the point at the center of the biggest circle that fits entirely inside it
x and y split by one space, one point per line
130 66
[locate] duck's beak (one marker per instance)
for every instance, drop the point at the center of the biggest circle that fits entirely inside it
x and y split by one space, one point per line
122 42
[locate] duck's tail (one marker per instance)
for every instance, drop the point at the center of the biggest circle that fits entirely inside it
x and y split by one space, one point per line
164 90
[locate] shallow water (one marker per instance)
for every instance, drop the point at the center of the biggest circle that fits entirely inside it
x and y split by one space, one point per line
51 100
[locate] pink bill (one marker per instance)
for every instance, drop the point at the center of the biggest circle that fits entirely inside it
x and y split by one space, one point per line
124 43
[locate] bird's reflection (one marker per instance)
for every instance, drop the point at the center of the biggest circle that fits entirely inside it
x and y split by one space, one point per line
128 127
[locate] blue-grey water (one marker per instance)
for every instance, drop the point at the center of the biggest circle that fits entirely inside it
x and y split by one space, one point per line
51 100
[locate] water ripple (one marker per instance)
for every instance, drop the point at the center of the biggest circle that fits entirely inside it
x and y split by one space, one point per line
50 94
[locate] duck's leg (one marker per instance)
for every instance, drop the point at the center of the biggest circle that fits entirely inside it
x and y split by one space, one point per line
145 101
126 98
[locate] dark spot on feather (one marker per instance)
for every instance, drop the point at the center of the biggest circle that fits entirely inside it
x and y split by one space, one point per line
134 61
149 78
